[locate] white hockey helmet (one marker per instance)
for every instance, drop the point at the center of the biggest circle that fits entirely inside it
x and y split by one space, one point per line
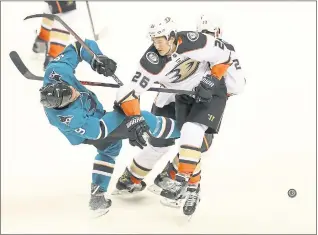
164 27
210 25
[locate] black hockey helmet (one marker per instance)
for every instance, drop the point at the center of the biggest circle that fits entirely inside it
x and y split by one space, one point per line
56 95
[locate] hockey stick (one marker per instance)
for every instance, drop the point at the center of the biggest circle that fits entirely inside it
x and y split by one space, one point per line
91 20
56 17
17 61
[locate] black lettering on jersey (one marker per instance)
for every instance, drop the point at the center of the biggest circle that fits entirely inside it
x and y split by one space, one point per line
152 62
183 70
65 119
55 76
190 41
221 43
228 45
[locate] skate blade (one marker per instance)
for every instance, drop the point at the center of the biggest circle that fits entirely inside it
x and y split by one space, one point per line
171 203
94 214
154 189
117 192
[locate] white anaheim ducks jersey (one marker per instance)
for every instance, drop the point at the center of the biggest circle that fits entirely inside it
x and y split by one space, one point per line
183 70
234 76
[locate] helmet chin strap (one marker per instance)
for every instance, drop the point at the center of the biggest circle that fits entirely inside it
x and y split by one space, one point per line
170 48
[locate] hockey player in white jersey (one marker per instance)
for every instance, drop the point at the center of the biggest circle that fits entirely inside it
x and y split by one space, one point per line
235 83
179 60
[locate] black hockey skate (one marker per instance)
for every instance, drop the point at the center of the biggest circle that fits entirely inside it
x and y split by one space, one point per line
98 203
174 194
177 188
162 181
192 199
39 46
125 185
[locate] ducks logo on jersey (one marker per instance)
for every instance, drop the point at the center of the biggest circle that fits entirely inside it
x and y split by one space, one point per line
183 70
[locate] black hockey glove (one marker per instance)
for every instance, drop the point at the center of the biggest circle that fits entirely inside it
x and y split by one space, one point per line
206 89
106 66
138 131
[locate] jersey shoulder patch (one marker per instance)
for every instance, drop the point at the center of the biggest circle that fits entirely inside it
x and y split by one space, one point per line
152 62
190 40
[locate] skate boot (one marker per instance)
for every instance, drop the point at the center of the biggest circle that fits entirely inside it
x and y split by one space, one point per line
99 203
39 45
125 184
163 180
192 199
173 195
177 188
48 59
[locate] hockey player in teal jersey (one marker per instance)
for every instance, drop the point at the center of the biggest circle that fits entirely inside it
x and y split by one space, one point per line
78 114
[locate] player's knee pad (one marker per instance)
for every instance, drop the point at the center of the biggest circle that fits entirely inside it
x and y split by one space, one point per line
143 163
149 156
192 134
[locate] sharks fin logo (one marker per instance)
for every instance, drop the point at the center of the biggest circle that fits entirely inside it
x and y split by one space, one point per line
65 119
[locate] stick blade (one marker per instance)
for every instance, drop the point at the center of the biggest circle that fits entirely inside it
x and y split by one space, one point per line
14 56
16 59
38 15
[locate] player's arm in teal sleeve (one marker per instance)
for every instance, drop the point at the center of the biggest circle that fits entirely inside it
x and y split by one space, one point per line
84 54
75 53
161 127
65 64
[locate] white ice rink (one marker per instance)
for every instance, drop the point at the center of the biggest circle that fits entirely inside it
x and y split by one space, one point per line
266 145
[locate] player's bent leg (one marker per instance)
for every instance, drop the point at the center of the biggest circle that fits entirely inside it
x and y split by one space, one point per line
103 168
162 129
189 156
169 172
59 39
40 44
131 180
